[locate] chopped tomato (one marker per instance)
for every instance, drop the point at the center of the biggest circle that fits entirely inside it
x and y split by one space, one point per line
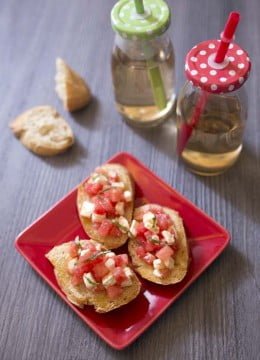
164 253
119 274
93 189
140 251
105 227
99 271
115 231
163 221
114 291
121 260
73 250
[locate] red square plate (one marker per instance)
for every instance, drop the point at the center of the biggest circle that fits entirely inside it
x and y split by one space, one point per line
207 239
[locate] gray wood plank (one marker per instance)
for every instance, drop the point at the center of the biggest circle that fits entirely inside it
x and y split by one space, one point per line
218 317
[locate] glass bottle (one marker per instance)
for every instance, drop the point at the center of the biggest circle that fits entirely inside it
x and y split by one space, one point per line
212 109
143 63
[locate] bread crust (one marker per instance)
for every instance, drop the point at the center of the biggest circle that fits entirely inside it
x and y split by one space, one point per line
79 295
109 242
71 87
43 131
181 258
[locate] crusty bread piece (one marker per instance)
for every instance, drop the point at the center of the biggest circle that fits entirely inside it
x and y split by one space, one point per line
79 295
43 131
70 87
109 242
181 258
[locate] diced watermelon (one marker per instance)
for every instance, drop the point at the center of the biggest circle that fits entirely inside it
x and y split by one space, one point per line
99 271
73 249
119 274
85 257
140 251
163 221
121 260
93 189
105 227
114 291
104 203
115 195
140 229
148 235
99 209
115 231
164 253
149 246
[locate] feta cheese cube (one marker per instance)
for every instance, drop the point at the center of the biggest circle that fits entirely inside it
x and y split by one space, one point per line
157 273
87 209
168 237
158 264
85 252
110 263
133 228
149 258
111 254
97 217
169 263
77 240
112 174
124 224
149 221
108 280
118 184
99 178
120 207
127 196
155 238
128 272
89 280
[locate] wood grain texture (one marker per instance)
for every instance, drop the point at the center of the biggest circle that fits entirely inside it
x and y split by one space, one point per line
218 317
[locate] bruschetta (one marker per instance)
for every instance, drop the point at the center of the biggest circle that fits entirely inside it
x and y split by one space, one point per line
158 245
105 205
89 274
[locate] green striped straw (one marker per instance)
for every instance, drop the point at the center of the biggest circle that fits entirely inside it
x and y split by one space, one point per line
154 73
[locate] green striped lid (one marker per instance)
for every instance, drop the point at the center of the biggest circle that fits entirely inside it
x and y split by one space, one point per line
131 25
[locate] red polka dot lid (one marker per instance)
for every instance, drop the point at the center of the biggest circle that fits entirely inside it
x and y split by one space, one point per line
202 70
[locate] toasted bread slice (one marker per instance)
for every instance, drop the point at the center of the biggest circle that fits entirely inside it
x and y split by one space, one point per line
109 242
181 258
79 295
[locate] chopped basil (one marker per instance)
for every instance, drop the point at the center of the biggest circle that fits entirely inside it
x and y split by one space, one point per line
121 227
154 241
91 282
98 254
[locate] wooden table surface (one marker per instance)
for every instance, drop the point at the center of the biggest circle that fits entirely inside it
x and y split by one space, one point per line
218 317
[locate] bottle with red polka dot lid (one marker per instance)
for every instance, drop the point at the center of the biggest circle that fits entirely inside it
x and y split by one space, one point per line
142 61
212 105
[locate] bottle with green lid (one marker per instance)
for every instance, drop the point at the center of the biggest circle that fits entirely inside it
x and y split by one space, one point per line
142 61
